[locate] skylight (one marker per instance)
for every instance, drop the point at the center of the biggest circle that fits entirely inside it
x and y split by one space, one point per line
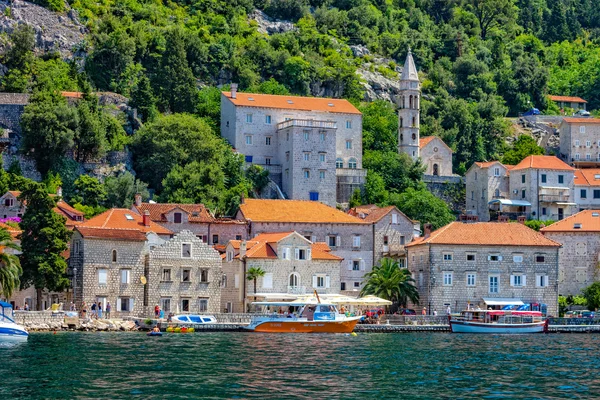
577 226
595 214
290 102
129 217
330 104
250 98
597 176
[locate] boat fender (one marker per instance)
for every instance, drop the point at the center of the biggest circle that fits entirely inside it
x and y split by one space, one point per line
354 334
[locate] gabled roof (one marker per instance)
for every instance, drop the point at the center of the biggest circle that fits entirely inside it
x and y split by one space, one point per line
424 141
292 102
159 211
543 162
572 99
584 120
120 223
587 177
298 211
486 234
265 246
409 69
587 221
373 213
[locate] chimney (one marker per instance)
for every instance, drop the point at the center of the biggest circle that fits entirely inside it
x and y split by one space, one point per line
59 191
503 218
234 90
146 218
242 199
427 231
138 199
243 247
521 219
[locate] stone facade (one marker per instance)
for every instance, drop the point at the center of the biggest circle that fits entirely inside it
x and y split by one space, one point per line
270 132
484 183
580 140
10 206
409 101
587 188
436 156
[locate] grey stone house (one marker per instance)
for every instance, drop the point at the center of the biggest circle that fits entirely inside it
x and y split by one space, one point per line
485 264
125 259
578 257
11 206
293 266
580 141
487 190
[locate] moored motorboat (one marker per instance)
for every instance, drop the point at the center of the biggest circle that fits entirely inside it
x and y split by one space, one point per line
194 319
312 317
498 321
9 330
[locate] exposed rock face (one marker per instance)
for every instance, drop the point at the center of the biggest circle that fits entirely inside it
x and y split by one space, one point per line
269 25
54 32
379 87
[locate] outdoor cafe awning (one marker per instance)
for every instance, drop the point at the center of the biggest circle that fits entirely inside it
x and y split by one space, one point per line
503 302
507 202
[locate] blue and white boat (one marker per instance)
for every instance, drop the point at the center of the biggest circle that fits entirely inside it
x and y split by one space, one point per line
9 330
194 319
498 321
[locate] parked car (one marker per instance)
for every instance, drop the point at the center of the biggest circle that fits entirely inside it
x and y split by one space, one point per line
406 311
588 314
582 113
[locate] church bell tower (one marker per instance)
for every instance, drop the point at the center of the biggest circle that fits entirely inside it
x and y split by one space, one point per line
408 114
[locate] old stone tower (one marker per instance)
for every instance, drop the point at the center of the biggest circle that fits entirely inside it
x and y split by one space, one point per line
408 115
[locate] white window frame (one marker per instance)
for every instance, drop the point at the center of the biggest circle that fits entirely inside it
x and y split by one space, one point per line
588 143
125 276
517 258
267 281
497 171
268 119
348 144
394 218
102 272
518 280
248 118
496 286
577 142
322 157
348 124
202 304
471 279
248 140
356 241
321 174
448 256
581 129
306 156
268 140
471 254
448 278
162 274
541 280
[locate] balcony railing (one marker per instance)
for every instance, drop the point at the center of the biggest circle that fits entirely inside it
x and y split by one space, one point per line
307 123
554 198
272 168
350 172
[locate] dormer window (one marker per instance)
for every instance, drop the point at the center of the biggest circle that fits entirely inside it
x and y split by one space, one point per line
177 217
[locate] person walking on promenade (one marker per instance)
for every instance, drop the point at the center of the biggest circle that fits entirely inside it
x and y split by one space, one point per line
434 313
99 310
424 312
26 306
108 307
93 316
156 311
448 310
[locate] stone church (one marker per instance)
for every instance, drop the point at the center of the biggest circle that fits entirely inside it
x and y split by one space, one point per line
435 155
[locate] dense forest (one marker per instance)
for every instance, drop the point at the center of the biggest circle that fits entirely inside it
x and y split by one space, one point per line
479 61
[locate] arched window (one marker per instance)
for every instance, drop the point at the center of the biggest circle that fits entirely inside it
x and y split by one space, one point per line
414 136
401 137
339 163
417 102
414 122
401 122
410 102
114 256
294 280
497 193
403 101
352 163
436 170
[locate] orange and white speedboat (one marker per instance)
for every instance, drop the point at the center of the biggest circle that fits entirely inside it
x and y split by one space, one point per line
311 318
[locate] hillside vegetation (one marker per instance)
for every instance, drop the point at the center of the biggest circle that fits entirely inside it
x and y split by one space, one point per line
479 60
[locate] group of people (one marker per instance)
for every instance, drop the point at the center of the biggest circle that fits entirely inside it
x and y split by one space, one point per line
95 310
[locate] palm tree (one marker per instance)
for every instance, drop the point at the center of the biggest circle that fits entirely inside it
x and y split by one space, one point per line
253 274
388 281
10 266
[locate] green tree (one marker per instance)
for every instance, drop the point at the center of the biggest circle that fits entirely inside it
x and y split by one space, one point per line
388 281
592 296
355 199
48 126
121 190
44 238
20 54
492 13
90 137
380 126
259 177
10 266
536 225
253 274
375 192
89 191
421 205
523 147
143 100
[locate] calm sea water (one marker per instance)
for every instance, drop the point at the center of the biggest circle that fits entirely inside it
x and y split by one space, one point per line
252 365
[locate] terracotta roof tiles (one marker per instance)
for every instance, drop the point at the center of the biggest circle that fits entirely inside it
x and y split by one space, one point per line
120 223
158 211
543 162
294 211
587 177
292 102
572 99
584 120
486 234
14 232
584 221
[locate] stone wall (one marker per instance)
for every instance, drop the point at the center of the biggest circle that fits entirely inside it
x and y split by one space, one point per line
398 234
436 152
232 291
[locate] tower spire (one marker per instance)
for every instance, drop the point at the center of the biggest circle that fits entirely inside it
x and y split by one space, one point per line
409 110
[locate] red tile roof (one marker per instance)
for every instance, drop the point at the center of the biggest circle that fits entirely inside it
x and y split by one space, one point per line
298 211
14 232
424 141
543 162
588 220
264 246
486 234
373 213
196 212
115 224
572 99
585 120
292 102
587 177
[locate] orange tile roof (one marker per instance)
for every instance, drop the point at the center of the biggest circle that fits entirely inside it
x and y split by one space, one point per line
258 210
587 177
293 102
589 221
585 120
75 95
265 244
486 234
116 225
424 141
67 208
196 212
15 193
572 99
321 251
14 232
487 164
543 162
373 213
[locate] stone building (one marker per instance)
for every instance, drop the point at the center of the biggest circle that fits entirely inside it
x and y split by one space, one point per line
195 218
436 156
578 257
484 264
576 103
487 191
587 188
312 147
580 141
11 206
125 259
392 230
293 265
349 237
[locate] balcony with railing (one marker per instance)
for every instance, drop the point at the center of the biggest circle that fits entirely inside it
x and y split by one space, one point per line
307 123
272 168
554 198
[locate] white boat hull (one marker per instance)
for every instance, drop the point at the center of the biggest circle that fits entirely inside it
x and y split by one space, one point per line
494 328
10 332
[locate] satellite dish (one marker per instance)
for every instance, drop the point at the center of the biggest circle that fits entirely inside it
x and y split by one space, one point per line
143 280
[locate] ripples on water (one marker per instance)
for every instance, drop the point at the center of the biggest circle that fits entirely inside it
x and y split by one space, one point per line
253 365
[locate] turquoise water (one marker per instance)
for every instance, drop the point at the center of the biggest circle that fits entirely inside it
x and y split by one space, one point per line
251 365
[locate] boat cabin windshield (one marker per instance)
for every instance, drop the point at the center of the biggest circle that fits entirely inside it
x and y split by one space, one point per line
6 312
501 316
